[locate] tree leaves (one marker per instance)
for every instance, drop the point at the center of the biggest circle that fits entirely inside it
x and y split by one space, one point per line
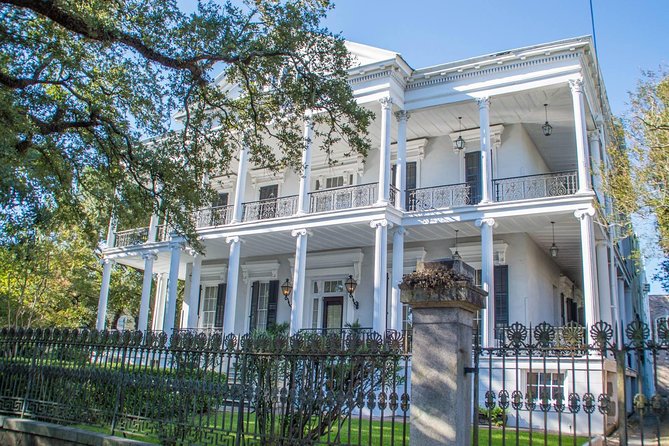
100 96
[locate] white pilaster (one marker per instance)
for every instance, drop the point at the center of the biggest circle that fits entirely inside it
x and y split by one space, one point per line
603 282
107 265
240 187
580 129
305 177
594 145
486 158
297 309
143 320
384 151
487 281
588 257
401 168
397 273
194 298
231 292
159 302
380 271
172 287
153 228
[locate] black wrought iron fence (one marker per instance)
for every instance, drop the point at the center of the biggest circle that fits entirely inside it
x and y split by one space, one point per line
555 385
210 390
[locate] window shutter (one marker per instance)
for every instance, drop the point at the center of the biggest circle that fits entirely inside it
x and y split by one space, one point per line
272 302
473 176
220 305
199 302
501 296
255 288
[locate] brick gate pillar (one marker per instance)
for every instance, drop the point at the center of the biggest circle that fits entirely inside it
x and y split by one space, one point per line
441 391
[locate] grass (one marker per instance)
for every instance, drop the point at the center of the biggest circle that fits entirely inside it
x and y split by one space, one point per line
360 432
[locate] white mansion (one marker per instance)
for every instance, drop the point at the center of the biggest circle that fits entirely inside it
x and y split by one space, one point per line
495 159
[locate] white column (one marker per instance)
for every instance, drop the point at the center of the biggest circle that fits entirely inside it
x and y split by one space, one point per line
603 281
240 187
159 302
401 168
594 146
486 158
111 231
153 228
487 281
397 273
380 270
143 320
588 258
613 283
297 309
305 177
384 151
580 129
107 265
231 291
194 299
185 303
172 287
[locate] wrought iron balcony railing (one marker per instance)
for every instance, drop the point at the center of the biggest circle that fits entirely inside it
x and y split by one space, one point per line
270 208
213 216
131 237
437 197
394 196
536 186
340 198
162 233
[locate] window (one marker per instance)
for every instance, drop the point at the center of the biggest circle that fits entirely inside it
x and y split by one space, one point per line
220 200
411 182
473 176
333 286
314 313
545 385
334 182
208 312
264 304
501 298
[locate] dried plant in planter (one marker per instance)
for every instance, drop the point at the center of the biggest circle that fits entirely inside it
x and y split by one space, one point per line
432 281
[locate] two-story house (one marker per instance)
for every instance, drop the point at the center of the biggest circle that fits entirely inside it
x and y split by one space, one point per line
495 159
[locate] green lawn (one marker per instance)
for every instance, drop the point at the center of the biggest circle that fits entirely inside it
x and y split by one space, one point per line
358 433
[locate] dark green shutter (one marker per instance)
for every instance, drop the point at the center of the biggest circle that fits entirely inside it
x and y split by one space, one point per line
255 288
220 305
272 302
473 176
501 296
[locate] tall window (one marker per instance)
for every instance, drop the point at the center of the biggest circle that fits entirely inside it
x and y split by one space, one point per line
263 304
208 307
220 200
411 183
473 176
545 385
501 298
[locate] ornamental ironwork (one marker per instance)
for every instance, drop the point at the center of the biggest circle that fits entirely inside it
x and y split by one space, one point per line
535 186
213 216
208 389
341 198
131 237
439 197
270 208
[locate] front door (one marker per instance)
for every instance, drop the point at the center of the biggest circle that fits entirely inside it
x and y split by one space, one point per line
333 312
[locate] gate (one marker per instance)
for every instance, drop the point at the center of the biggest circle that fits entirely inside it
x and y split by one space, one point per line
557 385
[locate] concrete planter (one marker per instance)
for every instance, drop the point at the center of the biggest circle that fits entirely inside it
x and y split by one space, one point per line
462 295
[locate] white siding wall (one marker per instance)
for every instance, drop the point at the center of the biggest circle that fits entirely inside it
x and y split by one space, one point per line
518 155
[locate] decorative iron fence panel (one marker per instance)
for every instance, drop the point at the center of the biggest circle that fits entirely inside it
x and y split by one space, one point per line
209 389
340 198
438 197
536 186
131 237
270 208
553 385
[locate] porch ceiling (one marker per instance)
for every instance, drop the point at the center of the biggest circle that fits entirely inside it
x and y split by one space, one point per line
538 227
526 108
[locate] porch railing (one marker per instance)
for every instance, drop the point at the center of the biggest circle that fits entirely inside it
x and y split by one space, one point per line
131 237
437 197
213 216
553 184
270 208
394 196
339 198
